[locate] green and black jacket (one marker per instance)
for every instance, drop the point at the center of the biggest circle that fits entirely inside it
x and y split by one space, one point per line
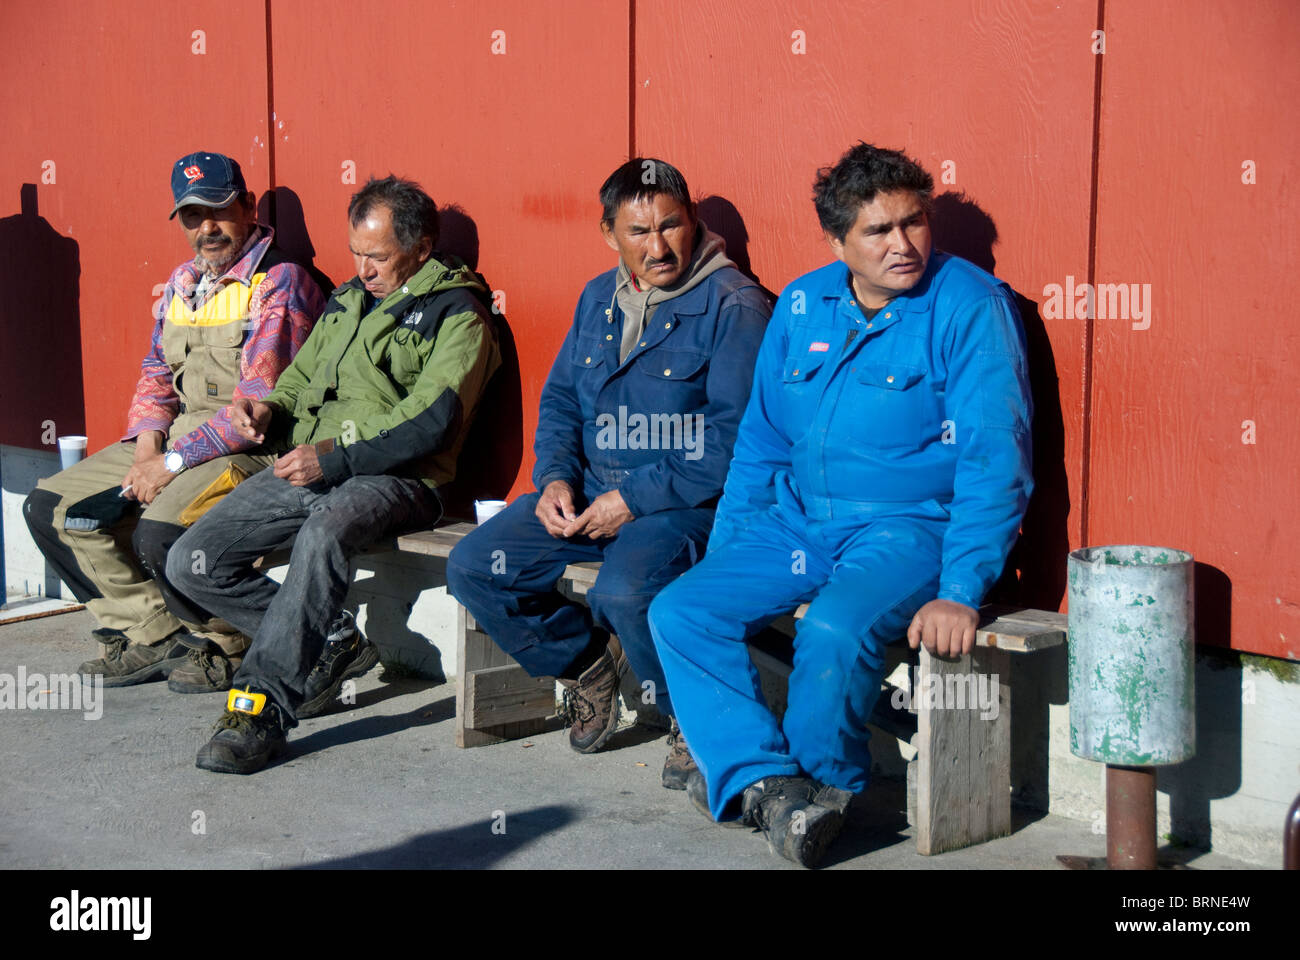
394 390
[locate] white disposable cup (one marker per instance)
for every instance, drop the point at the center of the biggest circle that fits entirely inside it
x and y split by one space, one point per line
71 450
485 510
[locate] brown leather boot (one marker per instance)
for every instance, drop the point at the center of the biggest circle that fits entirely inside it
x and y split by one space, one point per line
591 702
211 663
680 763
124 663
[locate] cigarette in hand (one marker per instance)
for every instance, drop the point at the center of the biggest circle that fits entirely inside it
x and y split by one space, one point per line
126 490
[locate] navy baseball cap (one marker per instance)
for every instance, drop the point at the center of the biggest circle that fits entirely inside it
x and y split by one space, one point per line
208 179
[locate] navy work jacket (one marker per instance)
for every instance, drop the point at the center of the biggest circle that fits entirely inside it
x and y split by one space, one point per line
659 427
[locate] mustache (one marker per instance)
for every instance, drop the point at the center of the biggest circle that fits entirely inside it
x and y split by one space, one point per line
668 261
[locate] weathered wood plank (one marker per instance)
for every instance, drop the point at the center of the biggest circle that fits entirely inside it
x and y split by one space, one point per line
988 786
942 806
437 542
1017 629
507 694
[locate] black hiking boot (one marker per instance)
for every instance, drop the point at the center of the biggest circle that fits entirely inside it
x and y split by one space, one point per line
347 655
248 736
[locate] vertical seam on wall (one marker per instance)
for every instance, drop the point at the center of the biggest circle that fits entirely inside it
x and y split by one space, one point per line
1089 330
270 122
631 78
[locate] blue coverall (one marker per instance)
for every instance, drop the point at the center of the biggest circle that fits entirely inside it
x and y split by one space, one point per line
696 357
880 464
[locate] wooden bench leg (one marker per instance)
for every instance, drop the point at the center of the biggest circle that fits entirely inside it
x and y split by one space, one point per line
496 699
963 775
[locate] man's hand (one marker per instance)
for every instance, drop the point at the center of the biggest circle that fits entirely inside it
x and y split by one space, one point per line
300 466
250 418
555 508
602 518
946 628
148 473
146 478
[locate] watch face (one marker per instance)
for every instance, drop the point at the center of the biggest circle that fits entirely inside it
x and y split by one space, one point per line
173 462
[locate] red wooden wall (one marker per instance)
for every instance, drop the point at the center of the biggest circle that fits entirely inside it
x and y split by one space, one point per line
1050 161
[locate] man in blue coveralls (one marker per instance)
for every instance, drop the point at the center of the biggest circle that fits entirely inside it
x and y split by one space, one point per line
637 422
881 473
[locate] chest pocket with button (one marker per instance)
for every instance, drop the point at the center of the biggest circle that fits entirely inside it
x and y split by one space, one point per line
670 381
890 406
404 360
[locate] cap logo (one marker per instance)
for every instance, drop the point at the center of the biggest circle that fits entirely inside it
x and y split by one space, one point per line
193 173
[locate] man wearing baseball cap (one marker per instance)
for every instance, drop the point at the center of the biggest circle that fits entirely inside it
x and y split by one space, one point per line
228 322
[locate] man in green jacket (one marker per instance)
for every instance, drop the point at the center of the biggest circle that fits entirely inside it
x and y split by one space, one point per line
376 406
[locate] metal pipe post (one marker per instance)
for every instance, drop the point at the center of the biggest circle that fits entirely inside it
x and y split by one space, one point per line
1130 818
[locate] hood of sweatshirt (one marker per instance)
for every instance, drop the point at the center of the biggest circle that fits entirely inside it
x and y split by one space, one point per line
638 306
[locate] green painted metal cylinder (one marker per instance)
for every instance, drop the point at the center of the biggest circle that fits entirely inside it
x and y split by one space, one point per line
1131 655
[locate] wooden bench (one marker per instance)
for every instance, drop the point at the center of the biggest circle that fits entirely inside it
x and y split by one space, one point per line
959 781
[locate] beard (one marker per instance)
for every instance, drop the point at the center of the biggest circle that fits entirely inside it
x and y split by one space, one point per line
216 257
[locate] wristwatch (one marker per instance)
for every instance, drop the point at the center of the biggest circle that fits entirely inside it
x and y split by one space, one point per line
173 462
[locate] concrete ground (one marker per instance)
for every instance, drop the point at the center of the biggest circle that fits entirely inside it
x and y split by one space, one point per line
381 784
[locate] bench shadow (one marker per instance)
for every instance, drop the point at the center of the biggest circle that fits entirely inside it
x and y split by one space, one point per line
877 819
371 728
390 688
472 846
634 736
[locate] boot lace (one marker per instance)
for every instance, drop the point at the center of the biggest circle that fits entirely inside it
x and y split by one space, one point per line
575 708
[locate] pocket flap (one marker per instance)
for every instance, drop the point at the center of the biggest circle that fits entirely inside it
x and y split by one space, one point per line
672 364
801 368
890 376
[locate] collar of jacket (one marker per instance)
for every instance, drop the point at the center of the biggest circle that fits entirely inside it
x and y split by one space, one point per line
919 299
245 267
442 271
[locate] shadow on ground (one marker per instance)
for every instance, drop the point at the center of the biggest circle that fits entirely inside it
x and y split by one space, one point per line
473 846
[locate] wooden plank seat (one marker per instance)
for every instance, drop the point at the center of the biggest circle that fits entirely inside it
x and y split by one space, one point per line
959 779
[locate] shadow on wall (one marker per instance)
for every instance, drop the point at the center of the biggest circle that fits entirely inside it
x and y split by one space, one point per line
722 217
490 459
1035 571
458 234
1215 771
283 211
40 323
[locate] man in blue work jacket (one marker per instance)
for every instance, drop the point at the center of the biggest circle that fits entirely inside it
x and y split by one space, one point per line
881 473
638 419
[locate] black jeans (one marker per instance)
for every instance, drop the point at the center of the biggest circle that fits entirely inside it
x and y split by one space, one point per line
212 564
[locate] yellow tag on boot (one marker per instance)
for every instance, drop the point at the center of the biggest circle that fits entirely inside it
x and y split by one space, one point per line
245 701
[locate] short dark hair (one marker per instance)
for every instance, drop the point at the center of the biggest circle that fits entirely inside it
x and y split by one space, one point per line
643 178
415 215
840 191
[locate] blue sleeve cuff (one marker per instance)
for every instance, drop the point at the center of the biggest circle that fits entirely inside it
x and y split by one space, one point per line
959 593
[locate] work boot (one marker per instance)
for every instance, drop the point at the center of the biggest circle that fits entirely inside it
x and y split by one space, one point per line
203 672
210 662
799 816
107 638
697 791
680 763
347 654
125 663
590 708
248 736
